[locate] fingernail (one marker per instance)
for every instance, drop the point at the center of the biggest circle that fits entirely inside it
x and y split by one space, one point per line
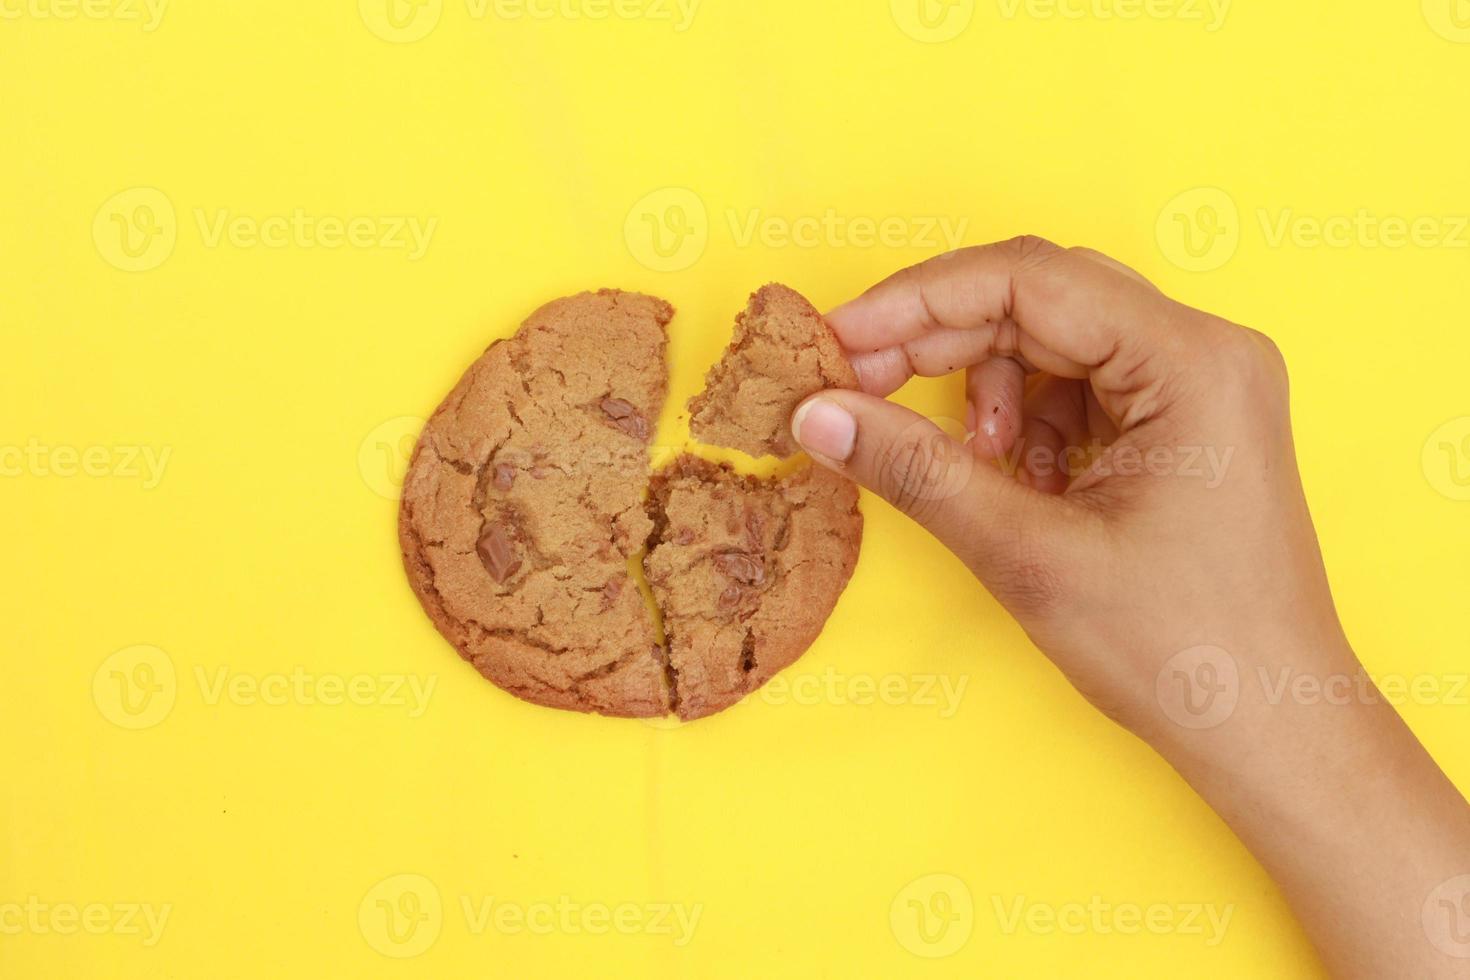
825 428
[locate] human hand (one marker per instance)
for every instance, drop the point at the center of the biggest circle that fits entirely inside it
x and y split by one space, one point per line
1131 495
1188 529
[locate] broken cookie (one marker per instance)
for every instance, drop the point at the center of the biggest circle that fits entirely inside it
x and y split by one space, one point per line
746 572
782 352
527 506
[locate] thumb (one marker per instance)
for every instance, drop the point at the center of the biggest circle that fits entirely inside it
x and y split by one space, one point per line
974 509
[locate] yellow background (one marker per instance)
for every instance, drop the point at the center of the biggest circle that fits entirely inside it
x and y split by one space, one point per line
273 376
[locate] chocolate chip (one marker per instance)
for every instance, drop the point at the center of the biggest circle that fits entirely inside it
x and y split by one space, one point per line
616 408
743 568
684 536
730 598
505 476
497 553
755 523
625 417
610 592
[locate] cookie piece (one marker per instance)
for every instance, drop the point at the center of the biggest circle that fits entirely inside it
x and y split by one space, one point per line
524 504
746 572
782 352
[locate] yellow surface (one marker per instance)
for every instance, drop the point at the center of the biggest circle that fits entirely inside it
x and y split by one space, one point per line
208 671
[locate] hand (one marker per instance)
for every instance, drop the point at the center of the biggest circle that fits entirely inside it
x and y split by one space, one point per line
1131 495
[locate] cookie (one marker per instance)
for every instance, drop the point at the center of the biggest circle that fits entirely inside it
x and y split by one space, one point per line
529 527
746 572
523 506
782 352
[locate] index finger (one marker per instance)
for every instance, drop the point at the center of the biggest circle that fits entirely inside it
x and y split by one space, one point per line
1064 312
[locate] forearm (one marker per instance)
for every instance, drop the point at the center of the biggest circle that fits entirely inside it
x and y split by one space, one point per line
1353 819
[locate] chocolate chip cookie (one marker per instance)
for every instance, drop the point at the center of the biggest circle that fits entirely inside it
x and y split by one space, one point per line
782 352
527 513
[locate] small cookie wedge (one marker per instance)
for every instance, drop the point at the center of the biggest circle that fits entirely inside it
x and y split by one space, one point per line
782 352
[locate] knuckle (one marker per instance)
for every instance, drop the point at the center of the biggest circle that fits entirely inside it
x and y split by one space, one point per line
917 473
1248 360
1032 248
